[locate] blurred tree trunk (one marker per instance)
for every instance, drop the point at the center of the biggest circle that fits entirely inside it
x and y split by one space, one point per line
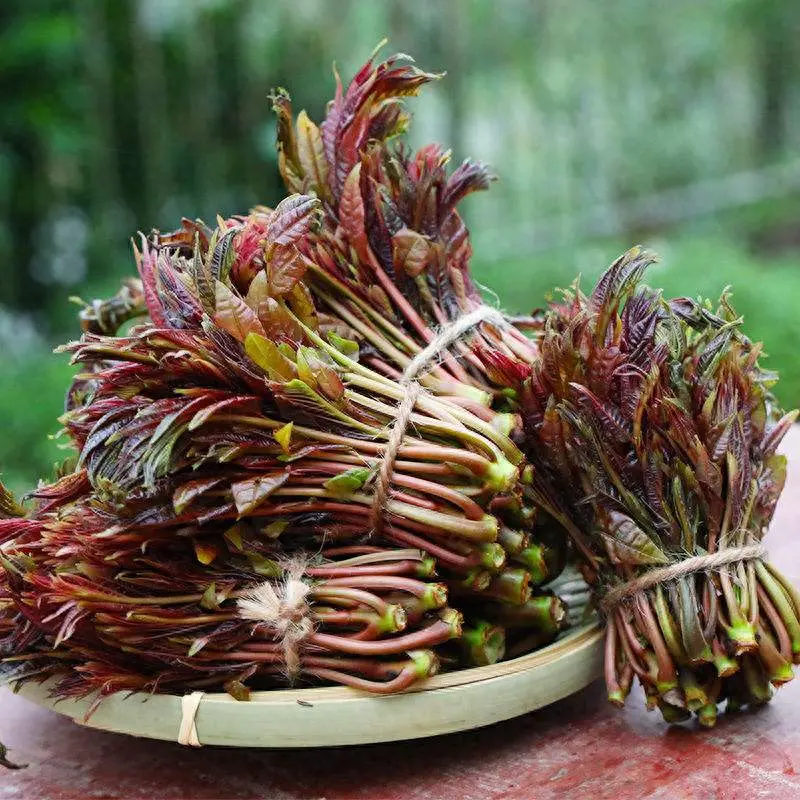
775 56
453 35
154 124
775 27
101 158
38 71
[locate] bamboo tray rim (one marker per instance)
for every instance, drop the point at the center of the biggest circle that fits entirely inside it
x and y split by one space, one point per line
338 715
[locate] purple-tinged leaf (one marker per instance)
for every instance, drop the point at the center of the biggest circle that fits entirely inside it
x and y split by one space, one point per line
411 252
234 315
285 267
187 493
294 218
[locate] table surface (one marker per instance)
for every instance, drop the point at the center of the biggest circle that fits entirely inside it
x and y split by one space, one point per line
577 747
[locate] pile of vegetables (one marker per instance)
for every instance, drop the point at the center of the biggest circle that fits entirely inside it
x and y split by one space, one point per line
228 520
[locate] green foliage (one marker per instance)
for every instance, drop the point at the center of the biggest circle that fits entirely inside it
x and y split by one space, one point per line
31 398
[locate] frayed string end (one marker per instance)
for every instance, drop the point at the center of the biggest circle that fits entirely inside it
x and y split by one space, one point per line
283 607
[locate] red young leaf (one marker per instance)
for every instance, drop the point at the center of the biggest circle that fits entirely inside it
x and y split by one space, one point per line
351 213
234 315
285 268
410 252
295 217
146 263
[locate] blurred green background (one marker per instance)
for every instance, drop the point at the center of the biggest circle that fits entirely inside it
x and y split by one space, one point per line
673 124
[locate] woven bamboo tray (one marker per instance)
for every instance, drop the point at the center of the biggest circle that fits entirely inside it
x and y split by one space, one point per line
332 716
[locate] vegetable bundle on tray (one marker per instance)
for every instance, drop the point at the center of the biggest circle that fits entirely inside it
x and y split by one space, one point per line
231 445
221 526
323 456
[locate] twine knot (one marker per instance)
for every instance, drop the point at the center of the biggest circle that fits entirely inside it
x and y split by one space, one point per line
688 566
446 337
283 607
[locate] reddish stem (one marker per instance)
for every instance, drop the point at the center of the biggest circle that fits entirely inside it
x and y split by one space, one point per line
436 633
393 568
384 583
407 677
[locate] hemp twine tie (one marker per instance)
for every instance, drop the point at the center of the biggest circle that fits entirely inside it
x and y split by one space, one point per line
689 566
286 610
446 337
283 607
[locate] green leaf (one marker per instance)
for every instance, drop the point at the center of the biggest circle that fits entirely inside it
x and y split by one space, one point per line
283 436
221 254
305 372
349 482
275 529
346 347
249 494
237 690
9 566
266 354
156 461
206 553
9 507
263 566
288 159
627 543
258 291
196 646
302 304
299 395
209 599
313 368
287 350
234 536
311 154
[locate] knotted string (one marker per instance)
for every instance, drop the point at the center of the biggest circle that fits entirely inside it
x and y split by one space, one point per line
284 609
446 337
679 569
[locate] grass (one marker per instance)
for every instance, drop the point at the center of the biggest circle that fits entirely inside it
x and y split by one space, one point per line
766 291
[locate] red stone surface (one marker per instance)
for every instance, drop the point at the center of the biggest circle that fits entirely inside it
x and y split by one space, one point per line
579 747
